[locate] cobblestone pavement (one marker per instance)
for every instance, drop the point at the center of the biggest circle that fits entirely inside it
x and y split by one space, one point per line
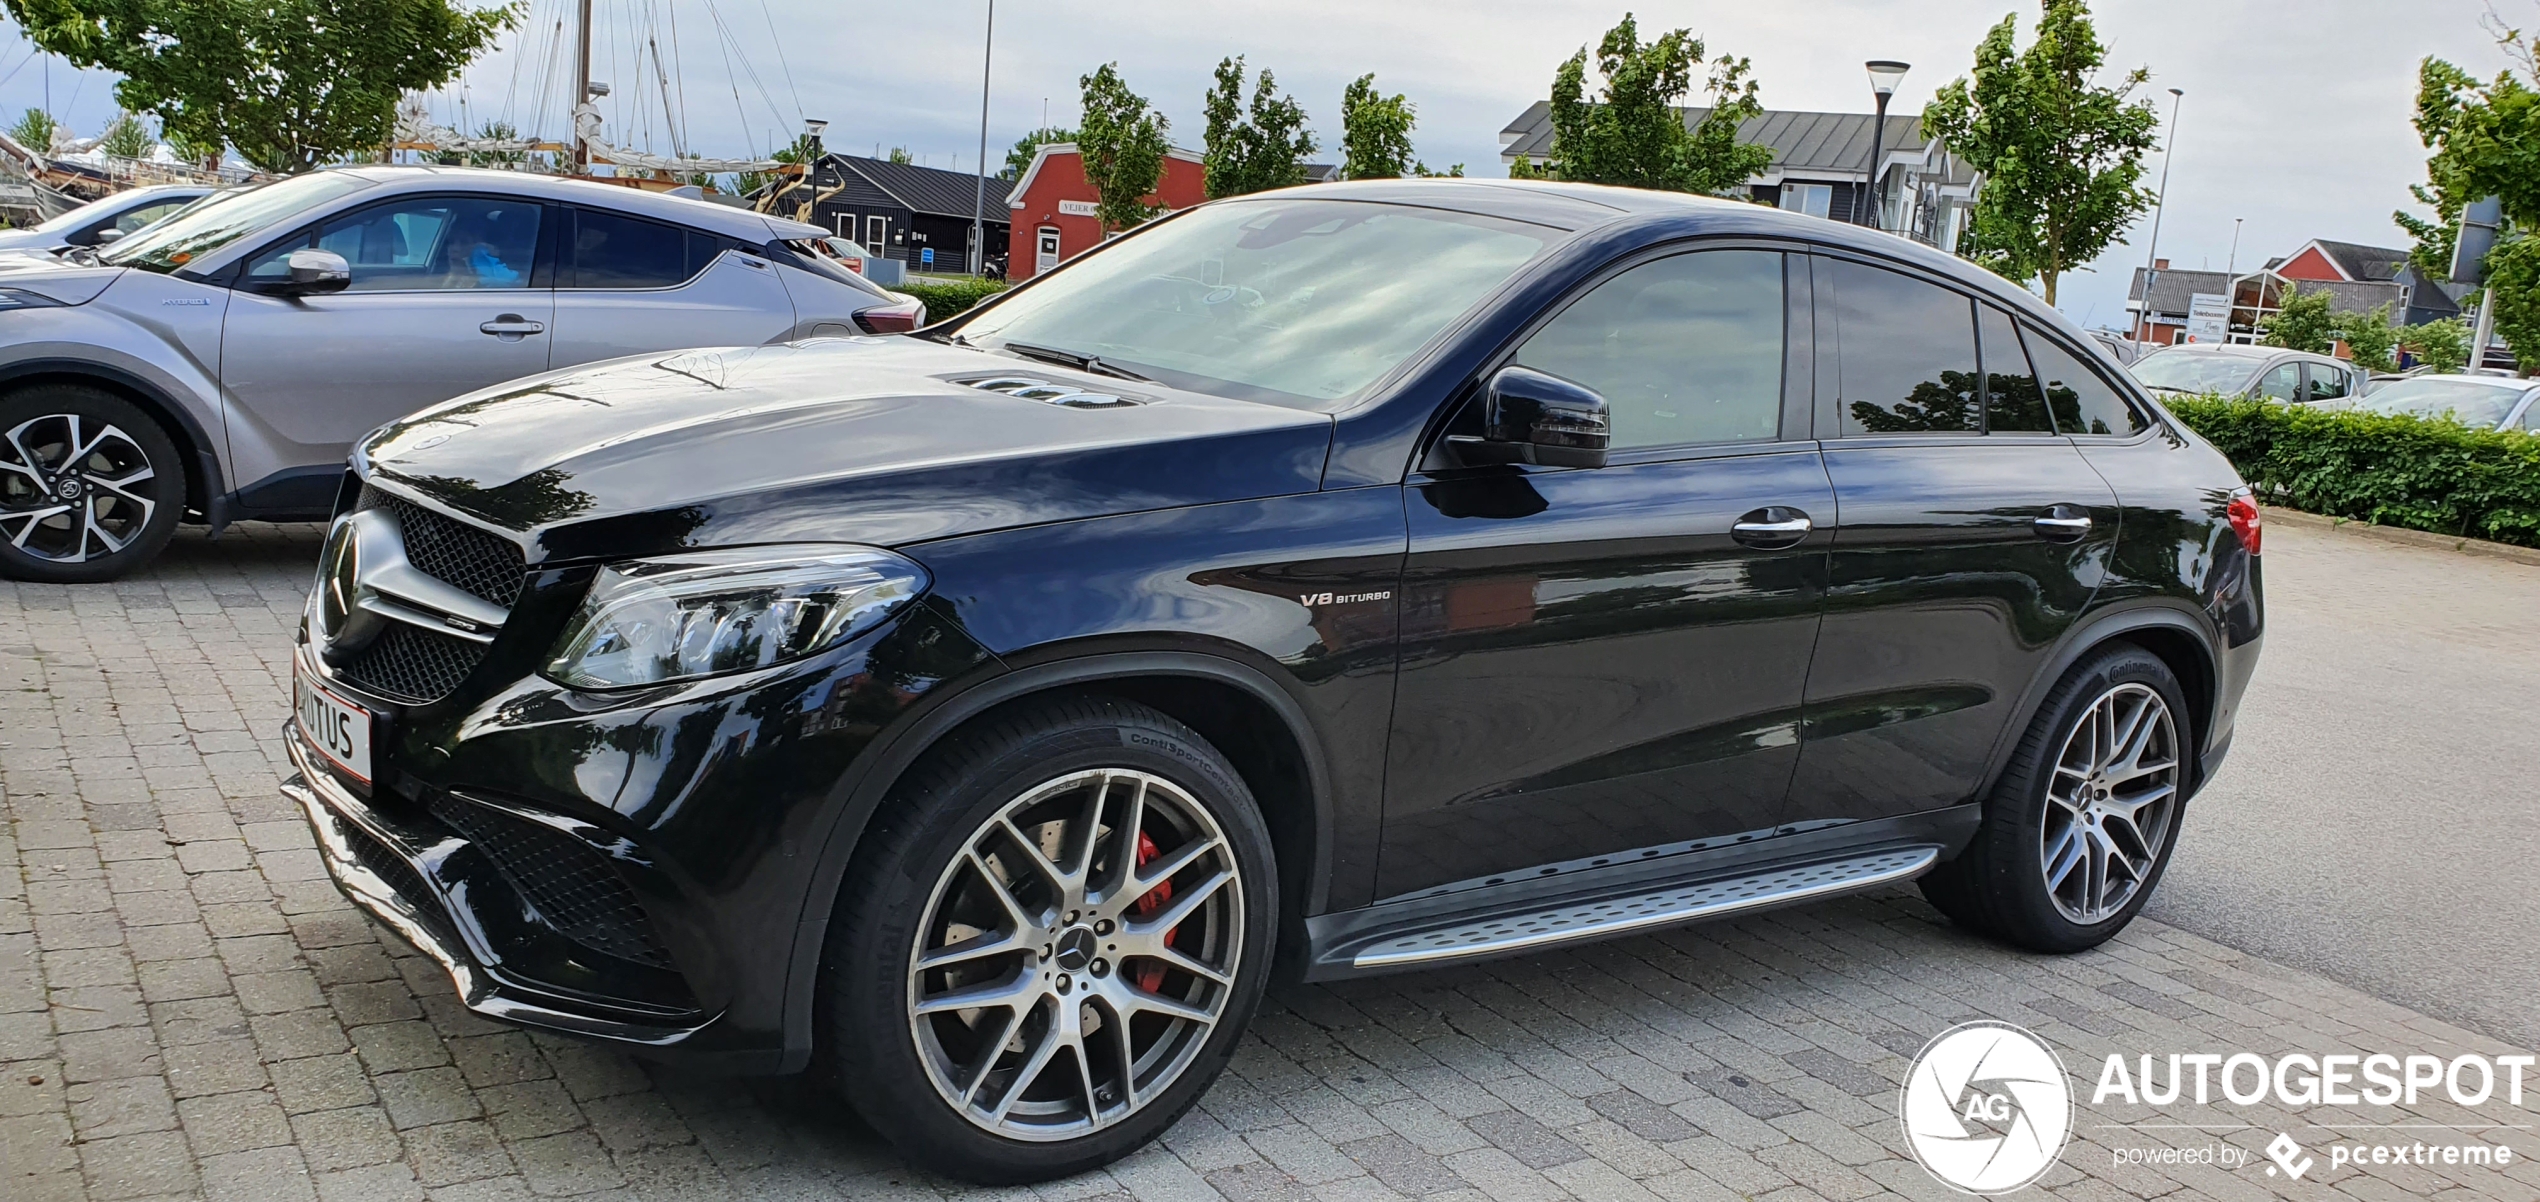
187 1009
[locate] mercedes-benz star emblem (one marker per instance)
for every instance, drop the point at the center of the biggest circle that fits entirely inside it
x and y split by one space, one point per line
1076 949
344 628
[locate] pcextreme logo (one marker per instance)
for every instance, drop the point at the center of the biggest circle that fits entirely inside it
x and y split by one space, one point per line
1986 1107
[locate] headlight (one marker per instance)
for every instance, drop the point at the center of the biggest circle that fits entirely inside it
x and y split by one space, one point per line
678 617
20 298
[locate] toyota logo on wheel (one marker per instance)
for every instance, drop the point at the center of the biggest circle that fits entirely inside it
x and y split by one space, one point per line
1986 1108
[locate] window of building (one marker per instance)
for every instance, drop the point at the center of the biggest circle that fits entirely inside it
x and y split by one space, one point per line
1686 349
1816 200
1908 361
877 234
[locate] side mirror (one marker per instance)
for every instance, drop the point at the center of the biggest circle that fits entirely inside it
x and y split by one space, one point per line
1531 417
313 272
108 234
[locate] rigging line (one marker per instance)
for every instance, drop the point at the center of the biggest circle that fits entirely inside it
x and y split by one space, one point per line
738 109
779 40
681 75
512 85
756 82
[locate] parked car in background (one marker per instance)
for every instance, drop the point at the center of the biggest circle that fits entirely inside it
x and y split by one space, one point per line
100 222
2263 372
1374 576
2119 348
223 361
905 312
2482 401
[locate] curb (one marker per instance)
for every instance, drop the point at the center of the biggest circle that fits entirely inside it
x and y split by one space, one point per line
2413 538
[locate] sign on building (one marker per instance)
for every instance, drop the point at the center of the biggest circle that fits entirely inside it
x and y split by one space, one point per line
1079 208
2208 317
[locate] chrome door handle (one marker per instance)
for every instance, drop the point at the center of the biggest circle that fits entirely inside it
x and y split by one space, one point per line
2063 524
1772 528
512 327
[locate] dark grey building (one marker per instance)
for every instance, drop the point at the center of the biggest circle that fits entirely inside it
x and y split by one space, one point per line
897 210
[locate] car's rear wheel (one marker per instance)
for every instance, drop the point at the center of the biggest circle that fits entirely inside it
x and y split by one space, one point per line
1050 942
2081 827
90 486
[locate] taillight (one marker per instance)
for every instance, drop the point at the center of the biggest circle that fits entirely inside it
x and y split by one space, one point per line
2245 519
886 321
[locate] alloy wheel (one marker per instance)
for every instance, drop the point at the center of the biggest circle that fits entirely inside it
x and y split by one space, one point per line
2110 804
1076 955
73 488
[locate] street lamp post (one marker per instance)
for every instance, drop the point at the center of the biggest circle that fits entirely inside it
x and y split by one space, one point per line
2151 258
979 194
1884 76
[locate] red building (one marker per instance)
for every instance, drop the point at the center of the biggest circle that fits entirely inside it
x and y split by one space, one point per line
1053 206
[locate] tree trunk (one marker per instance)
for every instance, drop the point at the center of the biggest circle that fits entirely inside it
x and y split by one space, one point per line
2048 277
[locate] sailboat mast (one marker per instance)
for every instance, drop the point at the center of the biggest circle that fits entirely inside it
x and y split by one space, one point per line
582 85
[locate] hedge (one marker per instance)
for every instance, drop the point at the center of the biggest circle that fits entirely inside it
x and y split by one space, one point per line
2390 470
951 296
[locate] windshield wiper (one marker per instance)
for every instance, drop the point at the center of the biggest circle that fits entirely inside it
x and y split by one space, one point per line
1075 359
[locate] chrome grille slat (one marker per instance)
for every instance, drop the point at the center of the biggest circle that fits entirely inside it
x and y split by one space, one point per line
417 664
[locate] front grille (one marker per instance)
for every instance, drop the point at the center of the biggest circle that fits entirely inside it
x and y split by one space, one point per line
568 882
413 665
479 561
388 866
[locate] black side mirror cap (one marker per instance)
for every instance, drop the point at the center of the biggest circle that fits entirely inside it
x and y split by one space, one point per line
1532 417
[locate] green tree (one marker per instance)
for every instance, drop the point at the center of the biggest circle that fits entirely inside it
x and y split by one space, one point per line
1018 159
187 150
2485 140
1375 132
1634 134
1123 147
2303 322
2513 270
899 154
34 131
2442 344
293 84
1255 150
2370 338
2061 152
127 138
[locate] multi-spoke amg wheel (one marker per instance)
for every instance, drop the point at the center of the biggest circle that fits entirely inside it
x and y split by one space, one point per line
73 488
1075 955
2110 803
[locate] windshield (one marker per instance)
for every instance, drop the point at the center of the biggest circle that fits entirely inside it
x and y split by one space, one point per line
2474 403
1303 302
2187 371
203 228
89 212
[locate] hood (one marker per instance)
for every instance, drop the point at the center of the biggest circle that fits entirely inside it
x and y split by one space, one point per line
55 279
27 239
882 441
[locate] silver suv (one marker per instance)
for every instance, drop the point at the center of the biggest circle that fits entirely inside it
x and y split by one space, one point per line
220 364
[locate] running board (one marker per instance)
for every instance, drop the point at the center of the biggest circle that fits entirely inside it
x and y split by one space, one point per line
1666 907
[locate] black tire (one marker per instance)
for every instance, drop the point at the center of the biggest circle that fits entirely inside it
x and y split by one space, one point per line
1999 884
869 1039
139 516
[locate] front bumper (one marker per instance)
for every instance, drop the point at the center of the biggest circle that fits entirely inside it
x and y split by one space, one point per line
364 849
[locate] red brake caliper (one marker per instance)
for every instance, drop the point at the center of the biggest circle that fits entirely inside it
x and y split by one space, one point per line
1150 975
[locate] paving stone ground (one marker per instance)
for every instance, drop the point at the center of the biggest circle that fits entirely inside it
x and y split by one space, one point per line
189 1010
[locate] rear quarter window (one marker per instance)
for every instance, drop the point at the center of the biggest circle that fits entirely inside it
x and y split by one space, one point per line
2080 400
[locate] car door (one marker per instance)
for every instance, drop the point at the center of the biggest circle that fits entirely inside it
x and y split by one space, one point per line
447 296
1962 554
2322 382
1599 661
2281 383
631 285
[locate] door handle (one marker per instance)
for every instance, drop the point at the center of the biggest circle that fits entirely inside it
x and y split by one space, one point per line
2063 524
1772 528
512 327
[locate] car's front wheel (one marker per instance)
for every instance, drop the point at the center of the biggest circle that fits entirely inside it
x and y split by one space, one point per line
2077 833
1050 942
90 486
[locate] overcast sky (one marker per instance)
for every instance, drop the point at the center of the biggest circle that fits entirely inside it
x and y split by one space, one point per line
2295 116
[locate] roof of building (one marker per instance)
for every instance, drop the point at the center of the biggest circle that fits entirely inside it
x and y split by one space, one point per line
930 190
1817 145
2174 288
2360 262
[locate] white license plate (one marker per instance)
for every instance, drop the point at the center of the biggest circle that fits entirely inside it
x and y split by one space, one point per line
336 729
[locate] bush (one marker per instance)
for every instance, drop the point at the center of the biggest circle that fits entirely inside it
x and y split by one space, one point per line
948 297
2389 470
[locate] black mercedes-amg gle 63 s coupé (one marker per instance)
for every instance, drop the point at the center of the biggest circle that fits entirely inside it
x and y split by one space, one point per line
1338 580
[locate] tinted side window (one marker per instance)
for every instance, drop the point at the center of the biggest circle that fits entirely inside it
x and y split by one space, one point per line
427 243
2327 383
613 251
1908 354
2012 403
2082 402
2282 384
1685 349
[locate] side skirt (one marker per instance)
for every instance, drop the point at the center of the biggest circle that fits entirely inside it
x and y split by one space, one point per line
1534 913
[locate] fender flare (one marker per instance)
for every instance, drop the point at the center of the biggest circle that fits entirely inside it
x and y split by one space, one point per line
859 794
198 441
2148 613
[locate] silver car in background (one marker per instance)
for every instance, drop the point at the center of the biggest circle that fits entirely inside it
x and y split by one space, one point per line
2479 402
2258 372
100 222
220 364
